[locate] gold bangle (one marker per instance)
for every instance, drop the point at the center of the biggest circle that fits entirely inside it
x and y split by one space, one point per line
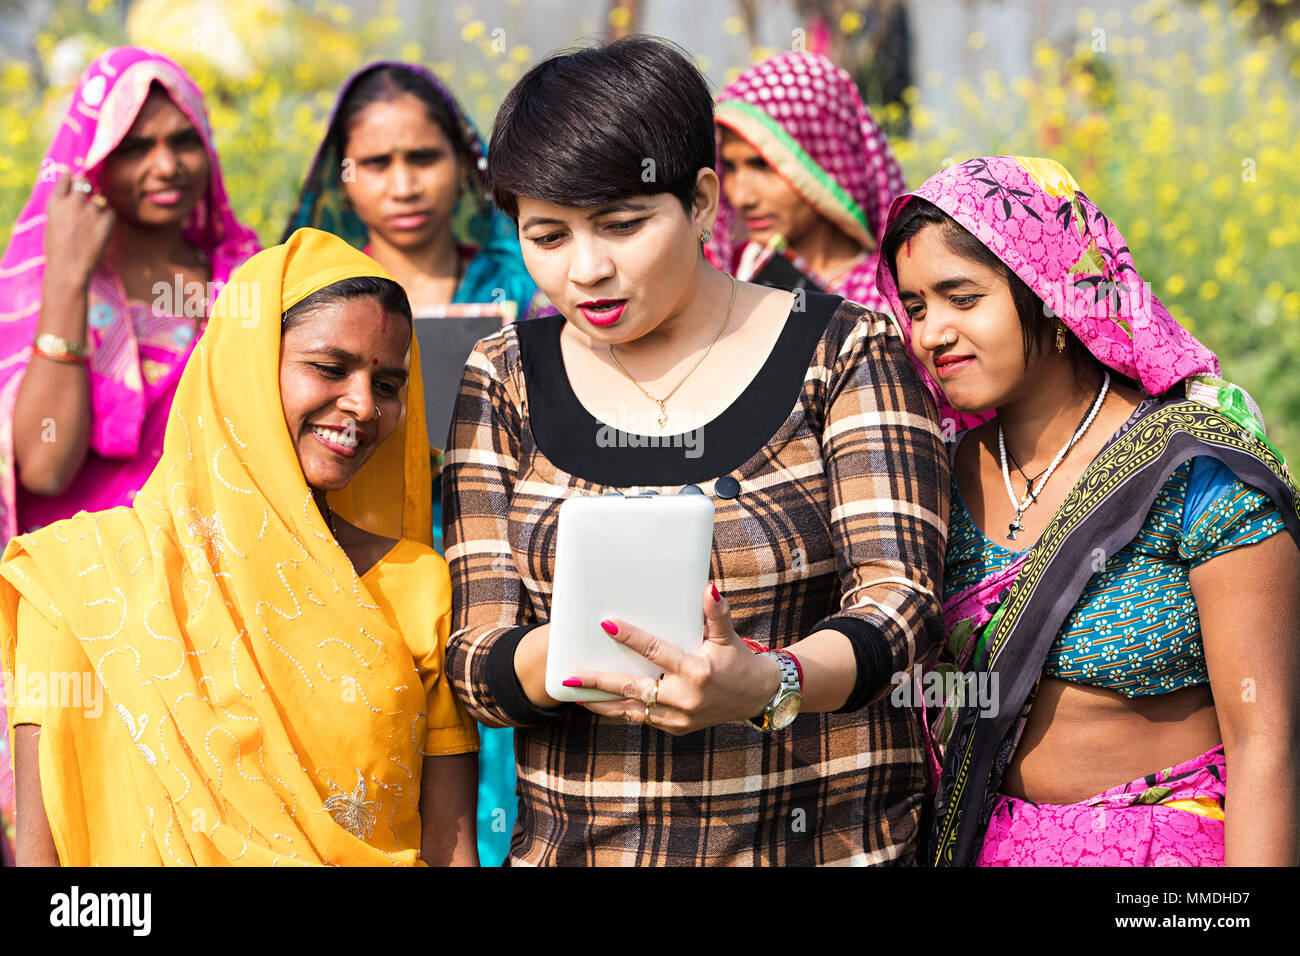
59 349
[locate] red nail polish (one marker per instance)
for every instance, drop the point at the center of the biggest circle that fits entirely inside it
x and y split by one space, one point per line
610 627
572 682
716 595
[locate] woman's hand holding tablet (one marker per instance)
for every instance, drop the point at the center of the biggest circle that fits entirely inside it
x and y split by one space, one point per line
626 636
723 681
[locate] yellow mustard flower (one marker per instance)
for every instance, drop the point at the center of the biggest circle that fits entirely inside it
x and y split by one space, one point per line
1054 178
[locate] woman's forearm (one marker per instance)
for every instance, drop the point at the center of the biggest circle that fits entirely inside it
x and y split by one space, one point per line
448 810
1263 803
830 670
52 409
530 667
35 840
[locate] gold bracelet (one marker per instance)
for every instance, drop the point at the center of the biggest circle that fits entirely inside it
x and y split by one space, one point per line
61 350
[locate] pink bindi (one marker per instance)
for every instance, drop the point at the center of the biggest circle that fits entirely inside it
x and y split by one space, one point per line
908 247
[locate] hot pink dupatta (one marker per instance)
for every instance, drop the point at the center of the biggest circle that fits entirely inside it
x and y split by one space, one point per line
136 358
805 117
1037 220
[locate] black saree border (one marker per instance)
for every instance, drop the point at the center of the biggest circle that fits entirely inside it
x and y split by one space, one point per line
1126 476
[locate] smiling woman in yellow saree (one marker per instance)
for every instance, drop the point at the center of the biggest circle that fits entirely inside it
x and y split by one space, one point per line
259 637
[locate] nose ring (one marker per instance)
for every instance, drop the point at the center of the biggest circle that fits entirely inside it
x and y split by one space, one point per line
379 413
950 337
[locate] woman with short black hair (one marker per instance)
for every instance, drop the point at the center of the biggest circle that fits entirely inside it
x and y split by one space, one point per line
809 428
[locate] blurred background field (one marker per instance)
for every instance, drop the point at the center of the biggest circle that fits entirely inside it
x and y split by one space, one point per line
1180 118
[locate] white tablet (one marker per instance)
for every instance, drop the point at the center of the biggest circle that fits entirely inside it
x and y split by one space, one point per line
642 559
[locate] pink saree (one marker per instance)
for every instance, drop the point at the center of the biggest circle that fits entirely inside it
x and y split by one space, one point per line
138 349
1170 818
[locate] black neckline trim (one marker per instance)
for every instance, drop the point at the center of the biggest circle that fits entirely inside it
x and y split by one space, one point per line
576 441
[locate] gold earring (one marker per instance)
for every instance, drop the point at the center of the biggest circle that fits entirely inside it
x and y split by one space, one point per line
1060 336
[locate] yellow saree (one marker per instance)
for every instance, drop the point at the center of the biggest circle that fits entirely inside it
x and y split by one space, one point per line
219 686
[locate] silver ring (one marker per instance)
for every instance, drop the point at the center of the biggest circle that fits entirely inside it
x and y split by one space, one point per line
83 186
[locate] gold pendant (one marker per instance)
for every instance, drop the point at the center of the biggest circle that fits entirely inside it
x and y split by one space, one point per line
663 415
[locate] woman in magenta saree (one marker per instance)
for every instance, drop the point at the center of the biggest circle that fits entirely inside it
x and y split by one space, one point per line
132 187
805 168
1122 581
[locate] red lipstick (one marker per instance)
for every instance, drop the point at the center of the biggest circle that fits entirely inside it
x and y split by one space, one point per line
602 312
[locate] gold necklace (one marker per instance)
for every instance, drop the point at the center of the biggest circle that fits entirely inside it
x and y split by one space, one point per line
663 415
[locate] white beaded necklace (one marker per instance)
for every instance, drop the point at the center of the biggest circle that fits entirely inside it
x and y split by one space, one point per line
1032 493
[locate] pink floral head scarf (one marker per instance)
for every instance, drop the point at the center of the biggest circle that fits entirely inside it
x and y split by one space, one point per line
104 105
804 116
1033 216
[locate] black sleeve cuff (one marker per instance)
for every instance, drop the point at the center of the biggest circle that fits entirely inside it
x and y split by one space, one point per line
503 682
870 651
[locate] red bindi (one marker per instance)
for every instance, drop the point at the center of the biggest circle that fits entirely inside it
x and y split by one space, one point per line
374 361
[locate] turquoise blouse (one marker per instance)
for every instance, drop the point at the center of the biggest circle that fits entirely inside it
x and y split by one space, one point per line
1135 629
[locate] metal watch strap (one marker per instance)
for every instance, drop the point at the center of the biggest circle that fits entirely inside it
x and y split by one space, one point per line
789 682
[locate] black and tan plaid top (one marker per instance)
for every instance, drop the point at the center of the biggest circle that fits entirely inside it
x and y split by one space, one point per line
831 512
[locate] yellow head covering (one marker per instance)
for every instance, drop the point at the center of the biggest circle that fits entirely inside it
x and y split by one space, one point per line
249 674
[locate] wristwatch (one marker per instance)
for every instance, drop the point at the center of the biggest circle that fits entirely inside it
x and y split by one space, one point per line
782 709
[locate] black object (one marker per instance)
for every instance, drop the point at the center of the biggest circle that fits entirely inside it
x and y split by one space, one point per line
779 272
445 344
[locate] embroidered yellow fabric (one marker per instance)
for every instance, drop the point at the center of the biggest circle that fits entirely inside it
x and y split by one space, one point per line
247 698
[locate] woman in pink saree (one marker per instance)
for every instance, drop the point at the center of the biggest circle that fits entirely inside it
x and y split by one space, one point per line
1122 579
104 288
806 173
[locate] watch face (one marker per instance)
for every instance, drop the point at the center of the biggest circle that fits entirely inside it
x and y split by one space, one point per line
785 711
